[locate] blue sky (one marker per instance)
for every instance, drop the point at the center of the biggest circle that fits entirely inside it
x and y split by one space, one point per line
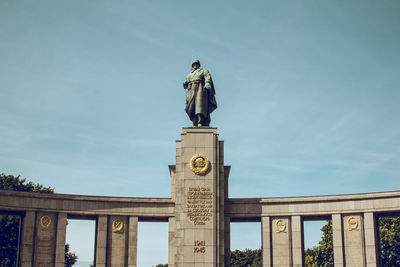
308 93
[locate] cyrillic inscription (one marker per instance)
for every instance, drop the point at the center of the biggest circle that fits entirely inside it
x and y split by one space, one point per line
199 205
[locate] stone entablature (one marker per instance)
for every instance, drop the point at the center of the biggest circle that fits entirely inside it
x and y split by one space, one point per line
313 206
235 208
87 205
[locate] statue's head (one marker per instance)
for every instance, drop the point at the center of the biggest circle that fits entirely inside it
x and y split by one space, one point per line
195 64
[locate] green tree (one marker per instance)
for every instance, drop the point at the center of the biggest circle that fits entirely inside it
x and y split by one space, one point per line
241 258
70 257
9 228
246 258
389 240
9 182
9 224
321 255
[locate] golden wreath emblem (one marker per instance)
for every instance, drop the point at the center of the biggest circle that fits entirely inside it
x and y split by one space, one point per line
352 223
118 226
45 222
280 226
199 164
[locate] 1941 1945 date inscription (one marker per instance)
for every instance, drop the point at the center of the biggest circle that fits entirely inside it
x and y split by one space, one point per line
199 246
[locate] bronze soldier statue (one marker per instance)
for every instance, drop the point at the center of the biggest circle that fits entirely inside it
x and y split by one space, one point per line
200 97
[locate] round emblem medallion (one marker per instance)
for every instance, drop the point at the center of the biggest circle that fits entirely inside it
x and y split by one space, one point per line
118 226
199 164
352 223
280 226
45 222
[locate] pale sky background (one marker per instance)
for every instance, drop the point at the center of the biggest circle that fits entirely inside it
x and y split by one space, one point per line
308 95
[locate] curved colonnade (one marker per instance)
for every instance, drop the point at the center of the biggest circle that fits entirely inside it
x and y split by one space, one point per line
353 217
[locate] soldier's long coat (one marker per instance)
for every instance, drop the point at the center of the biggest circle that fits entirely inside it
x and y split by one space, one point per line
200 98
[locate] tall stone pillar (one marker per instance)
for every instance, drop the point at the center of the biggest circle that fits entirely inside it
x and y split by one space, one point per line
132 241
281 242
117 239
171 241
101 241
337 236
60 239
370 239
353 229
45 239
199 199
297 241
28 226
266 241
227 238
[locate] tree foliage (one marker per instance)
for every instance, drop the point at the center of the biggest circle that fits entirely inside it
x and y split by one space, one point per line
321 255
70 257
9 228
246 258
389 240
241 258
9 182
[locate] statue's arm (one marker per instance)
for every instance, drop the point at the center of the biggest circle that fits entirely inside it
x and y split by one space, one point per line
208 82
185 83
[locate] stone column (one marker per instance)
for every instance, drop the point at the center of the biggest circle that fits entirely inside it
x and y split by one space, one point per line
297 241
171 241
353 240
370 239
101 241
337 240
222 195
132 241
172 172
281 242
266 241
227 238
28 229
116 241
60 239
45 239
199 206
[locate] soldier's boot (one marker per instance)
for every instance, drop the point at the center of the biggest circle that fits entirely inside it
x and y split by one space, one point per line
200 120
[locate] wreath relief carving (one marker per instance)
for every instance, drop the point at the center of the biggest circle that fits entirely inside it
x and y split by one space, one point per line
45 222
280 226
199 164
118 226
352 223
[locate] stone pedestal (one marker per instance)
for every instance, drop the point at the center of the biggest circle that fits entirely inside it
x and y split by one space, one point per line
199 193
